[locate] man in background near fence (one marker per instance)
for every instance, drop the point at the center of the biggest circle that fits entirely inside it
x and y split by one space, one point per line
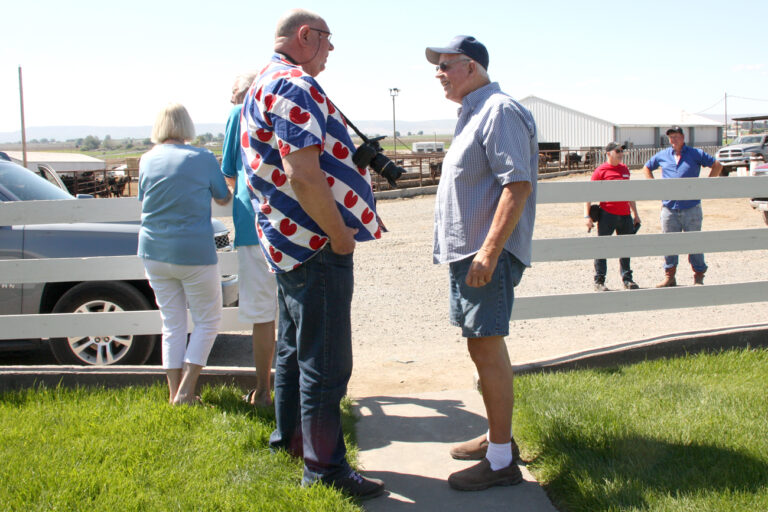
257 305
681 161
484 214
613 216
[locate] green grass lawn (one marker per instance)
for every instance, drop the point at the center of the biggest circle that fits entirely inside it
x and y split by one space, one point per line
684 434
127 449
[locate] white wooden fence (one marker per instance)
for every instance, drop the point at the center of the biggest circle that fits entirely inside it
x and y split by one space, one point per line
148 322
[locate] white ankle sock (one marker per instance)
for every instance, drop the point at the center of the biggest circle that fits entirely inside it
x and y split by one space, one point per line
488 436
499 455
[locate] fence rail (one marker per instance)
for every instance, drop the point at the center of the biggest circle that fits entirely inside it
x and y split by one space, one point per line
14 272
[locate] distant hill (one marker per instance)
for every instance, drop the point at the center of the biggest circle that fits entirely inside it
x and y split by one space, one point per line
63 133
430 127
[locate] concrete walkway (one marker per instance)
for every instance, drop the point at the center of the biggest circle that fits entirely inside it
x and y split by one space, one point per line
404 440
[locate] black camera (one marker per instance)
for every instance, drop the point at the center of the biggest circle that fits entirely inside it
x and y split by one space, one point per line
369 155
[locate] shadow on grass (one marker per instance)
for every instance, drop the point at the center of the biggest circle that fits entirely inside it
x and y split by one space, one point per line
619 472
230 400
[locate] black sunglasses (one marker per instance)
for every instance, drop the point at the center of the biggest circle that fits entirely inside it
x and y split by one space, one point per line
444 66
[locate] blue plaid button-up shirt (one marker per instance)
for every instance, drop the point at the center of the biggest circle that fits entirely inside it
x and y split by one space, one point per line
495 143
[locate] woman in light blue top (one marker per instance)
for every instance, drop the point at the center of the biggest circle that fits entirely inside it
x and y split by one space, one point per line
176 244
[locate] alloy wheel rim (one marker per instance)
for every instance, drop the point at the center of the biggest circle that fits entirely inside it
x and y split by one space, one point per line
103 349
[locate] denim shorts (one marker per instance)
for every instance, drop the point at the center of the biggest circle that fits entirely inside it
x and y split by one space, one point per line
484 311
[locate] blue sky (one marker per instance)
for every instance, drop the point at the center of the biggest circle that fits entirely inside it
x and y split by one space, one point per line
117 63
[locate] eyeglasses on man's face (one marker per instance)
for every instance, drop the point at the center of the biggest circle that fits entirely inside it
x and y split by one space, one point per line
445 66
327 34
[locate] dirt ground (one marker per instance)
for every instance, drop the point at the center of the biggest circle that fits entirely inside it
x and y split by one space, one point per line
403 342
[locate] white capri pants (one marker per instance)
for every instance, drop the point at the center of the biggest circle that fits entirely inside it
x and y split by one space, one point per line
174 287
257 303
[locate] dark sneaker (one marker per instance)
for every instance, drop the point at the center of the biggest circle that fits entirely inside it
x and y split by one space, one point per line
481 476
358 486
630 285
475 449
600 287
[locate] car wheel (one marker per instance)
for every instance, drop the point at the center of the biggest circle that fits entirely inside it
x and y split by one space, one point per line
104 348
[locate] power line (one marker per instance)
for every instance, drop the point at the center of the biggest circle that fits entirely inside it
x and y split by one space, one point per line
730 96
750 99
710 108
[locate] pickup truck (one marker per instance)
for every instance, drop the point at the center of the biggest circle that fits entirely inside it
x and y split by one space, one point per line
738 153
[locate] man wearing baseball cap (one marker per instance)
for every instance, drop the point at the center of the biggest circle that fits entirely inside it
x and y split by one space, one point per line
614 216
681 161
484 214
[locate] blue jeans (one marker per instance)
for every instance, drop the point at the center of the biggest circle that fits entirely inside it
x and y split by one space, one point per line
675 221
606 226
314 363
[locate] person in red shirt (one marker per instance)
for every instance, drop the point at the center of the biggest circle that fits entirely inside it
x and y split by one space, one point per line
614 216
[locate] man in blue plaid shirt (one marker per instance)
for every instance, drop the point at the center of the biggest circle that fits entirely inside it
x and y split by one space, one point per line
486 204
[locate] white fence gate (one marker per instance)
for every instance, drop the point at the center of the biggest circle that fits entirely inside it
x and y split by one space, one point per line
148 322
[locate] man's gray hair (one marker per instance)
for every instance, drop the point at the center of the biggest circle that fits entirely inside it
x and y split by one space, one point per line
244 81
483 72
293 19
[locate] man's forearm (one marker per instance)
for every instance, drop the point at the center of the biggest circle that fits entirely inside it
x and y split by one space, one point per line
308 182
231 182
508 213
316 199
648 173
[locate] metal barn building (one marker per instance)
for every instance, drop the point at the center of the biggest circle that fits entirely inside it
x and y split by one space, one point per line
645 128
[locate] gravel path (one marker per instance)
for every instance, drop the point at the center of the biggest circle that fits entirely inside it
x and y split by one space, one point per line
403 342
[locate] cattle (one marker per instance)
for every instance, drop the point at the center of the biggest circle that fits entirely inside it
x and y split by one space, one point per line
572 160
435 168
544 158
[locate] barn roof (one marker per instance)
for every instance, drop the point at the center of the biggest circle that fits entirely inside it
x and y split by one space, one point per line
53 158
636 113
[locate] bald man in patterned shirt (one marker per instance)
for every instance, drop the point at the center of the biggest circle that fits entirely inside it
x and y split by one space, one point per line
312 204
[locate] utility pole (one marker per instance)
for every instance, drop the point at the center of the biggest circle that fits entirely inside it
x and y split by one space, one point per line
23 130
394 92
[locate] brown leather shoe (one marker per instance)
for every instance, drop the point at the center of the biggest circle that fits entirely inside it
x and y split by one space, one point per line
475 449
698 278
669 278
481 476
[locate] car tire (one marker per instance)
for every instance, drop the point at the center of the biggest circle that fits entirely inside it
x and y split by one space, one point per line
103 349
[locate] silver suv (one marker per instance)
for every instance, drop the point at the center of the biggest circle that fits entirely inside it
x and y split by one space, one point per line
80 240
738 153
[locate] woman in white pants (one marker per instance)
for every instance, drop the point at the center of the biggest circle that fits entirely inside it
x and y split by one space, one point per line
176 243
